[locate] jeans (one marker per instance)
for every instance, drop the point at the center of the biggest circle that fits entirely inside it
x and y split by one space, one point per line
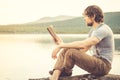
69 57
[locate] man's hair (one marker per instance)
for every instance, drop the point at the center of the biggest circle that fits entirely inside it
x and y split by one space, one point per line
94 11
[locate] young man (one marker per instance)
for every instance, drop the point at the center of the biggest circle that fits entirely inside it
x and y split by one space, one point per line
100 42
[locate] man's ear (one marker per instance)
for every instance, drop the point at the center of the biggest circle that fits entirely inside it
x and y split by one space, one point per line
93 18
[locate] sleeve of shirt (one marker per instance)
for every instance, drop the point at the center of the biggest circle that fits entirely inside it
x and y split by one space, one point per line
100 33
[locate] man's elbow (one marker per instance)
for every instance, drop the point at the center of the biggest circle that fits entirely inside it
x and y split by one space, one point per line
95 41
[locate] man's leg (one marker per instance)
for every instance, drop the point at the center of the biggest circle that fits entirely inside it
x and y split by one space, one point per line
91 64
55 75
60 60
58 65
69 57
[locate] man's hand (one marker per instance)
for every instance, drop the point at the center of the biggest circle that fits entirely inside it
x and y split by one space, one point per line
55 51
58 40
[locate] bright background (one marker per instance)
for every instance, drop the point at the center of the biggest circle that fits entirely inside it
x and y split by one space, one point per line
22 11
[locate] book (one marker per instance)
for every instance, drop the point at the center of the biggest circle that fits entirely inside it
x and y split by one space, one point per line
52 33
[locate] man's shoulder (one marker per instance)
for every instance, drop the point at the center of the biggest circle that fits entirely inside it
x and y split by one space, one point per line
104 28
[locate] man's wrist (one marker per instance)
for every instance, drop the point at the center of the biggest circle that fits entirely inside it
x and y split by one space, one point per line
60 45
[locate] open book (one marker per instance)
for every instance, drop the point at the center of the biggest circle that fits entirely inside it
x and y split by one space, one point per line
52 33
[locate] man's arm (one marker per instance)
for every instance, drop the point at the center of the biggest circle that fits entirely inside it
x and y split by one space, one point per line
81 44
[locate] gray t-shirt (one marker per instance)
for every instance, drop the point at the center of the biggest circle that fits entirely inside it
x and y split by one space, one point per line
105 47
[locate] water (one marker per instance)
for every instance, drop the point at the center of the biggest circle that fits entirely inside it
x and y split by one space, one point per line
24 56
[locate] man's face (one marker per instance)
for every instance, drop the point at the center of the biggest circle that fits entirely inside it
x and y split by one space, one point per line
89 21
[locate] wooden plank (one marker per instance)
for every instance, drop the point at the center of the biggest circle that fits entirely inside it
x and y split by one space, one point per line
86 77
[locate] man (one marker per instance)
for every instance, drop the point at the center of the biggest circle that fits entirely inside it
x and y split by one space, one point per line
100 42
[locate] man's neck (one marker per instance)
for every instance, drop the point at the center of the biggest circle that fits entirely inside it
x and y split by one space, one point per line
95 25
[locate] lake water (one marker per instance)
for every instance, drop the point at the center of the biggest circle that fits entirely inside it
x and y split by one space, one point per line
24 56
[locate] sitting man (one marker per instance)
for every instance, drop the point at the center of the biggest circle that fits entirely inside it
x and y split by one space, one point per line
100 42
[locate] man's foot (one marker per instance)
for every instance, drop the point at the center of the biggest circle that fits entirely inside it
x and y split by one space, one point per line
55 75
63 73
51 72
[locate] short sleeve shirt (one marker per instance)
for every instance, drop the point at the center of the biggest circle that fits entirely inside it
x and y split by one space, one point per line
105 47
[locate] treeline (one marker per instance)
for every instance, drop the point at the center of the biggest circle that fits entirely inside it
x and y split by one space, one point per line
72 26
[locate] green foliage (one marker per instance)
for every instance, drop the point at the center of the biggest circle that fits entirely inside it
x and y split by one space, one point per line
117 44
72 26
113 20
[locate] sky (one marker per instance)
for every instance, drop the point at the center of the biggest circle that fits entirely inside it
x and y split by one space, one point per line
22 11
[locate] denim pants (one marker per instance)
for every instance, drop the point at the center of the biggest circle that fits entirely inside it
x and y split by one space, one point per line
69 57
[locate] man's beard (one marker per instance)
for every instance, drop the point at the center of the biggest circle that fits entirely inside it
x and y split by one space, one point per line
90 24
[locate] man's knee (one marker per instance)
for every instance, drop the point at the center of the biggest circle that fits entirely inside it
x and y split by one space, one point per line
71 51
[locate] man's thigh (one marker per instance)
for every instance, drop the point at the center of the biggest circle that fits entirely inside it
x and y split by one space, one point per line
87 62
